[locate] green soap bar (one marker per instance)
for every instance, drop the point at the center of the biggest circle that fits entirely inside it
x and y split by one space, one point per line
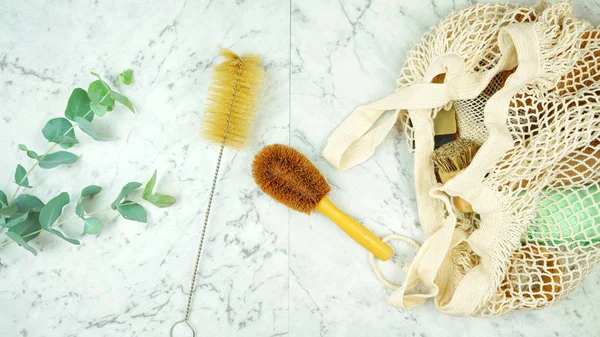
568 216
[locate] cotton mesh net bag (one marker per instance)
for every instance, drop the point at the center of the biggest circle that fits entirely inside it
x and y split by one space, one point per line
525 85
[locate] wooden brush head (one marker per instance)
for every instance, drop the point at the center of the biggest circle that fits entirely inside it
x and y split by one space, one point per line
455 155
289 177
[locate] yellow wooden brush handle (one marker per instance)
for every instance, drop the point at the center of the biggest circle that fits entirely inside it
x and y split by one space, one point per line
355 230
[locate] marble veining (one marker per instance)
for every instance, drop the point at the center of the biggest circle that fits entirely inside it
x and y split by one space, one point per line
266 271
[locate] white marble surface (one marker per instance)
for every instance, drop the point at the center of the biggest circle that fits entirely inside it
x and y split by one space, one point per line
267 271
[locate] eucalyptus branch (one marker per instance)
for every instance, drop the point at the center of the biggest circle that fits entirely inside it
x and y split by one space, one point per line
58 225
20 182
25 216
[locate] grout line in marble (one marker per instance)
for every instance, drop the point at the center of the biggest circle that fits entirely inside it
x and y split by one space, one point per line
289 143
290 80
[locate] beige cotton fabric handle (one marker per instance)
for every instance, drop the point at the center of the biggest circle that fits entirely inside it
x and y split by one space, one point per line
355 141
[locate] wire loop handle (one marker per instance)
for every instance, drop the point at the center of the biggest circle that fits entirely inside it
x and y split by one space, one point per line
186 323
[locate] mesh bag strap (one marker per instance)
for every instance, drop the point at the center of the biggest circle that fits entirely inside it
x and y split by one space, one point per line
356 139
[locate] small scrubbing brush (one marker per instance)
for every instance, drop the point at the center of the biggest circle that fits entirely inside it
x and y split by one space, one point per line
452 158
290 178
231 105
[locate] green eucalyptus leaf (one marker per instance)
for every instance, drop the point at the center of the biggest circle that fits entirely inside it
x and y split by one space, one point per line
26 231
3 199
124 191
31 154
98 92
18 239
92 226
20 177
132 211
27 202
60 131
26 228
62 236
53 210
101 80
79 105
55 159
149 186
17 219
87 127
8 212
122 99
99 110
79 209
88 192
25 205
126 76
5 209
160 200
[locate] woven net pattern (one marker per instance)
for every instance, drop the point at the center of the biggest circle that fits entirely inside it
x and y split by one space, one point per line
549 180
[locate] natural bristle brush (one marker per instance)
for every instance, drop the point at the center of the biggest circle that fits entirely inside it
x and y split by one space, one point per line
450 159
291 179
232 99
230 109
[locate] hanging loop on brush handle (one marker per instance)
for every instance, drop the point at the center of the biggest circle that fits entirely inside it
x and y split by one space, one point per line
187 323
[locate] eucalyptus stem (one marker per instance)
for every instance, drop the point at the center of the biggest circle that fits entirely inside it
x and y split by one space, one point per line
76 217
61 223
24 236
14 195
37 162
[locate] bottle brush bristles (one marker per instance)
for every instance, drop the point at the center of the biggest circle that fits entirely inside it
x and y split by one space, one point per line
232 99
